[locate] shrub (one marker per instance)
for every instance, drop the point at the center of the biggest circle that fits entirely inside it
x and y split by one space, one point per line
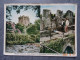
16 39
38 38
57 45
32 30
20 27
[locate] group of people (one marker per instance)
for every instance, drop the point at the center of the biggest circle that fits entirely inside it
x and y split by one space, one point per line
65 24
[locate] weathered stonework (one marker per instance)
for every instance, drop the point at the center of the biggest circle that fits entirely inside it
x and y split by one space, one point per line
24 20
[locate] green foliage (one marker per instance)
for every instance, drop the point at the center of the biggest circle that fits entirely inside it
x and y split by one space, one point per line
32 29
57 45
37 24
8 26
20 27
72 38
38 38
18 8
33 34
16 39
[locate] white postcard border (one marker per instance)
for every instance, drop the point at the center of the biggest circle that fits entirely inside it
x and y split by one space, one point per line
41 54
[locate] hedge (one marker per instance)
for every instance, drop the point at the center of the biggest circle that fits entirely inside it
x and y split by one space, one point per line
17 39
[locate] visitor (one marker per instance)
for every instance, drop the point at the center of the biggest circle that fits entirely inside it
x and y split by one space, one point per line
66 25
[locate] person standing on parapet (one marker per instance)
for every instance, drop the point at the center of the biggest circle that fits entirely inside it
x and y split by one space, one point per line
66 25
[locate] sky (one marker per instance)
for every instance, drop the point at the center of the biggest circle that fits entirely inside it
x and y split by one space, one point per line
62 7
32 15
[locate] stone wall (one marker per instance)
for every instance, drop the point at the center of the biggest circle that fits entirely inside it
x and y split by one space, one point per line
48 22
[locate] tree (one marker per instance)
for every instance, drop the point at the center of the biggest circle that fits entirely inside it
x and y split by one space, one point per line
32 29
20 27
37 24
18 8
8 25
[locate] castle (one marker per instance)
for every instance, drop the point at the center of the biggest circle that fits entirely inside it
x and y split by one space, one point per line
24 20
55 22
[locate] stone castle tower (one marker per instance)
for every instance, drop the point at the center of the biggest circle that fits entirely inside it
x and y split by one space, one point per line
24 20
46 18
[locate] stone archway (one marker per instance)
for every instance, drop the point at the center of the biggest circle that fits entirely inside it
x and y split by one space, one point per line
68 50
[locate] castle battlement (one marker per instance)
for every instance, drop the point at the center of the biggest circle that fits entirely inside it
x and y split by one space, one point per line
24 20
